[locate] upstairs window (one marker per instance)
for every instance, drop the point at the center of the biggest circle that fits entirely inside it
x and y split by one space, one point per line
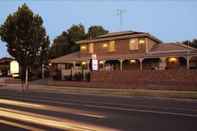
91 48
133 44
141 41
111 46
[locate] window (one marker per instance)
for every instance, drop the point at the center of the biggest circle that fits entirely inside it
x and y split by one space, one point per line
83 47
133 44
111 46
141 41
91 48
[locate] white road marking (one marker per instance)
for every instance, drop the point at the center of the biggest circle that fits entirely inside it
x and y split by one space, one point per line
120 108
144 111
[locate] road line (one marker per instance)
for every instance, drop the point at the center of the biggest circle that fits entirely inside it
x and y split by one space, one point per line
135 105
120 108
144 111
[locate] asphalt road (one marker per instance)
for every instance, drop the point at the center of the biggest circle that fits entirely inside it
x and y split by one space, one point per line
59 111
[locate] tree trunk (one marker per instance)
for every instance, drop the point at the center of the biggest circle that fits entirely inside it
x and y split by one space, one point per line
26 77
42 71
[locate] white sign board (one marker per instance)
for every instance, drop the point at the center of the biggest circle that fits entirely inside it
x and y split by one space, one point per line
94 65
14 67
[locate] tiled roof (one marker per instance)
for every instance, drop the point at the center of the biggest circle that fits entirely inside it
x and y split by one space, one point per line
70 58
120 35
113 34
171 47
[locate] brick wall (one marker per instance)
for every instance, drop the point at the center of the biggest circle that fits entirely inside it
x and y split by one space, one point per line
166 79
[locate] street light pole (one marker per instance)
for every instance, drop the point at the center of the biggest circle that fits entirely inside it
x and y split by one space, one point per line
42 71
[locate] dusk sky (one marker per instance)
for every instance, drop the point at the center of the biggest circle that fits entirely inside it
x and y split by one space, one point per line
170 21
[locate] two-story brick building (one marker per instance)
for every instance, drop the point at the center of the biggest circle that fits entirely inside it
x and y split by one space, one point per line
128 50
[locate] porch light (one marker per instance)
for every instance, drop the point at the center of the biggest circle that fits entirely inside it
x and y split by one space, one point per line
101 62
83 47
172 60
105 45
132 61
83 62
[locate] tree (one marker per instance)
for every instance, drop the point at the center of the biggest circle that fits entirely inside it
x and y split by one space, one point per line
192 43
61 46
76 33
95 31
26 38
66 42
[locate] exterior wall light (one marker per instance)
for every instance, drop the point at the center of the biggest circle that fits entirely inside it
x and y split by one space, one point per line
101 62
105 45
83 47
132 61
172 60
83 63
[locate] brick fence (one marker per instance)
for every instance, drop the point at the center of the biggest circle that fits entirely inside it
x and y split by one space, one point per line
148 79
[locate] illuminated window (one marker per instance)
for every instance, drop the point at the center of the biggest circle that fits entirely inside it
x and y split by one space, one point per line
133 44
83 47
91 48
105 45
141 41
111 46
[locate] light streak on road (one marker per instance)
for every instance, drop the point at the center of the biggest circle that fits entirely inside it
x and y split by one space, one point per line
20 125
50 121
51 108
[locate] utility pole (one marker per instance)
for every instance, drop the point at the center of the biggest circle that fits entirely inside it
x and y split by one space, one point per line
188 57
119 12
